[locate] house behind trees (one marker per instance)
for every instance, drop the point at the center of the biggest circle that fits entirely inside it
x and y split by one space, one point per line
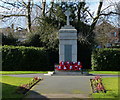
107 35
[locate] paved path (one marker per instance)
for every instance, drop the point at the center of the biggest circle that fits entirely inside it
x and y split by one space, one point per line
62 87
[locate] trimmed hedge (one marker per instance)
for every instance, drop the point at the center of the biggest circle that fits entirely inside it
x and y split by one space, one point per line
20 58
107 59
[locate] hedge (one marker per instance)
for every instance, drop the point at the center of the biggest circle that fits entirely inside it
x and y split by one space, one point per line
84 55
106 59
20 58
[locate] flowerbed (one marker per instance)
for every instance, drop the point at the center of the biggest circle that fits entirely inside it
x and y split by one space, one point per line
76 66
97 85
24 88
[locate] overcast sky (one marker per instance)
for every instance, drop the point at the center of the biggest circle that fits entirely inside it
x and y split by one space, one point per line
93 4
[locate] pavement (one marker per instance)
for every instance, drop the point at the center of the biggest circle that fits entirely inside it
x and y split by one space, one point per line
60 87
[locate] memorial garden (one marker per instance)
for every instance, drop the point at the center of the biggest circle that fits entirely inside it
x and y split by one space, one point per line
60 54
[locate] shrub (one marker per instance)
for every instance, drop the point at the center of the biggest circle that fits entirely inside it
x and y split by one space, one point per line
32 40
24 58
9 40
106 59
84 55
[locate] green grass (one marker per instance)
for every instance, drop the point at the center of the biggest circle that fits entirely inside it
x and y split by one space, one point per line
105 72
9 85
38 72
22 72
111 85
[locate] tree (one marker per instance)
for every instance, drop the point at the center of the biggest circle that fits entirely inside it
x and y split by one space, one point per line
20 8
48 33
33 40
103 33
79 15
117 8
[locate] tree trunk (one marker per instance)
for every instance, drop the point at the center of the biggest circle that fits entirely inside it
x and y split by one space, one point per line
29 15
78 14
80 6
51 8
43 7
97 17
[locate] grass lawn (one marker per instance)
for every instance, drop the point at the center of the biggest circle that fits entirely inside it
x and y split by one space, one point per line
105 72
38 72
9 85
22 72
111 85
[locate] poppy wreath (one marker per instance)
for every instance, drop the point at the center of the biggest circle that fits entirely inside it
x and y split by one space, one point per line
59 67
62 63
69 66
65 67
76 68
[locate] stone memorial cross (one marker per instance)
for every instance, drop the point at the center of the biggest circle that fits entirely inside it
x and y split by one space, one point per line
68 41
67 13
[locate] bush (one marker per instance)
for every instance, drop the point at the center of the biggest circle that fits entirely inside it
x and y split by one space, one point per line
107 59
33 40
9 40
16 58
84 55
53 56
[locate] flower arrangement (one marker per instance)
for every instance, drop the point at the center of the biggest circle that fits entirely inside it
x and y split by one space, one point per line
76 66
24 88
97 85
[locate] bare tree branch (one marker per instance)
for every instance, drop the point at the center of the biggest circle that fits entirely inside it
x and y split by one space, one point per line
106 14
38 6
12 15
24 3
106 8
12 4
4 7
90 14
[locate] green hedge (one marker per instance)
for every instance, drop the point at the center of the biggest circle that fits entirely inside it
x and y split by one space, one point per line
24 58
106 59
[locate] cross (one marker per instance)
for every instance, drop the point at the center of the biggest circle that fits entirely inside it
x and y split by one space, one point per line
67 13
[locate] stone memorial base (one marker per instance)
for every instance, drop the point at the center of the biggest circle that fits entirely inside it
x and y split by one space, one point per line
77 73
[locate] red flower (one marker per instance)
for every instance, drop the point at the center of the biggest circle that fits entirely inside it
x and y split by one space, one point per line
97 77
36 78
100 87
61 63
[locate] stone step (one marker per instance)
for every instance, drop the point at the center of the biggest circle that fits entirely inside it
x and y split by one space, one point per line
70 73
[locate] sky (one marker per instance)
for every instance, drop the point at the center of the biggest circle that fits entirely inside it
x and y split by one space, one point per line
93 4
